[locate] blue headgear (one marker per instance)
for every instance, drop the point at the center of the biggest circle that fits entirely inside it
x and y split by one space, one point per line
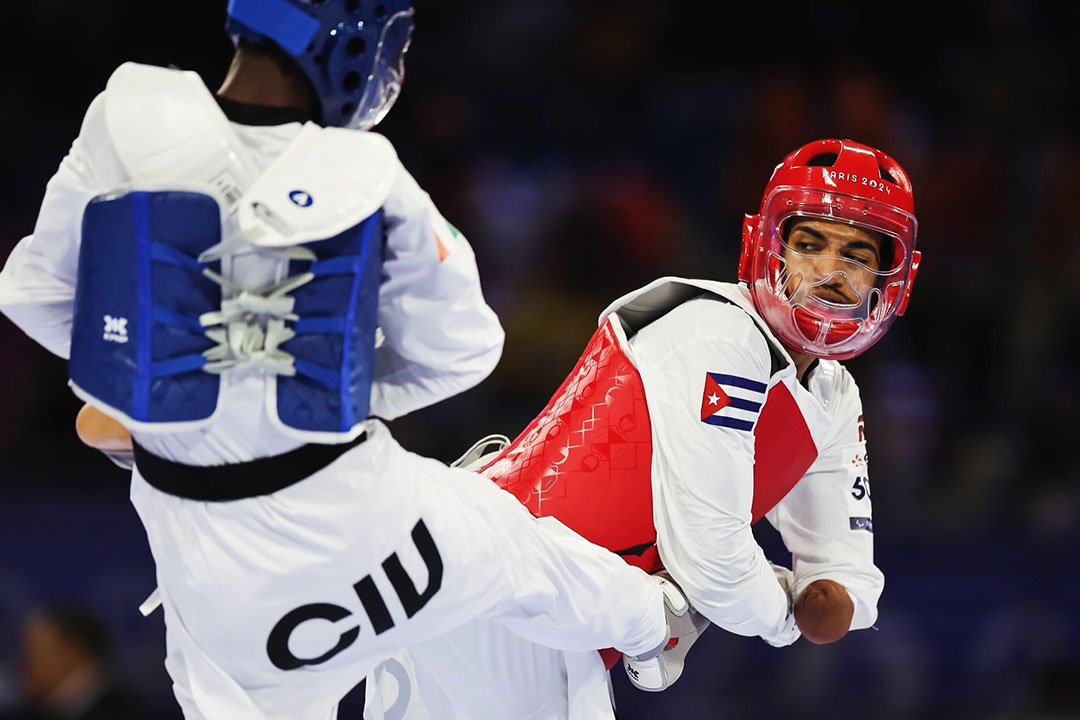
353 51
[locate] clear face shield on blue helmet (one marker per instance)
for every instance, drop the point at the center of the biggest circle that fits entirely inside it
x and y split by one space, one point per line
387 72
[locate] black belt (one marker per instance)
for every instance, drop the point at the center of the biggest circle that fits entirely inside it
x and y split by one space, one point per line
222 483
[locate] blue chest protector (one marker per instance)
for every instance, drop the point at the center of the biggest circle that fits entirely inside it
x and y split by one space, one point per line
140 345
334 346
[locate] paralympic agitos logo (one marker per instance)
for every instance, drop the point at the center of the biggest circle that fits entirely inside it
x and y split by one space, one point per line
277 646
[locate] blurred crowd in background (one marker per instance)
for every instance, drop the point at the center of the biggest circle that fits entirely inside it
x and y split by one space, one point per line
586 149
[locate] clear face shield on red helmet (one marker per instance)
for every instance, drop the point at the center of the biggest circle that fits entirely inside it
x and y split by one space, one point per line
830 273
387 72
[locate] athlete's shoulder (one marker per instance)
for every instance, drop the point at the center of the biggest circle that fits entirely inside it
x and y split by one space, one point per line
696 317
150 111
407 198
708 315
647 304
141 72
133 84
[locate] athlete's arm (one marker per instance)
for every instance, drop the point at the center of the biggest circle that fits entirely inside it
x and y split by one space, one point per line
827 524
824 611
37 284
703 466
441 338
101 432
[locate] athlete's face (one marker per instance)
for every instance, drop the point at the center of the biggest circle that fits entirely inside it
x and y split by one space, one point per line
832 261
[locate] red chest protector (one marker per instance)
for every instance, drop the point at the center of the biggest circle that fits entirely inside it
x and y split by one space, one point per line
587 458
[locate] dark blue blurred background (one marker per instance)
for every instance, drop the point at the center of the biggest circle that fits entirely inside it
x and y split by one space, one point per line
587 148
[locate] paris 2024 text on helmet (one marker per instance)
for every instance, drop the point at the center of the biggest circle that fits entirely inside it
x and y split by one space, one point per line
832 304
353 51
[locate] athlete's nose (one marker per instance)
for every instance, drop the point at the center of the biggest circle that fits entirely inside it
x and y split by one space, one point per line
827 265
835 286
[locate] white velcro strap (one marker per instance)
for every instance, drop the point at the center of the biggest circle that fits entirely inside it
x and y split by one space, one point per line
151 603
328 181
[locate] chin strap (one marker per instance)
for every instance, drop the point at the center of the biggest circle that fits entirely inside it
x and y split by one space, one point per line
916 259
751 223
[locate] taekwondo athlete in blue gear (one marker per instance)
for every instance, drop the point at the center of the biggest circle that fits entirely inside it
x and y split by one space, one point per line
245 289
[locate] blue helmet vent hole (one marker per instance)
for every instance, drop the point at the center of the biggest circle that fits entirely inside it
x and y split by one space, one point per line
380 11
347 110
352 5
352 81
356 46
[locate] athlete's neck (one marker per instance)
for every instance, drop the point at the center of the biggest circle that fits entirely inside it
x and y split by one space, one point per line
260 79
802 362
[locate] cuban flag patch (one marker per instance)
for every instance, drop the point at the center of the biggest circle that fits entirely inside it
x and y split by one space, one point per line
731 401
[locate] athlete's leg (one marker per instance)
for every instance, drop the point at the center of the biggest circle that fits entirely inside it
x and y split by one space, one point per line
296 596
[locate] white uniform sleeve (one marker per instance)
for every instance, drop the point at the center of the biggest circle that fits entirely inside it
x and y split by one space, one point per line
826 520
37 285
703 474
441 338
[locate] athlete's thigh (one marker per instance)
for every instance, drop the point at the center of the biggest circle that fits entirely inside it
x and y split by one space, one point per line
480 671
206 692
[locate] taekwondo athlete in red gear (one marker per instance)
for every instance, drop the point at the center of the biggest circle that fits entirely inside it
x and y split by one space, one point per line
219 271
700 407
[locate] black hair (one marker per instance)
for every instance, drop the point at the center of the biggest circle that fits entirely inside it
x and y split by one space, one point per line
269 50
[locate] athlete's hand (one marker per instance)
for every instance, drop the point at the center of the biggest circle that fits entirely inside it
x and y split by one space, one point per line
789 631
101 432
823 611
660 669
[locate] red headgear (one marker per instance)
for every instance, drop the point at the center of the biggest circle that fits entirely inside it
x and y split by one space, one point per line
844 182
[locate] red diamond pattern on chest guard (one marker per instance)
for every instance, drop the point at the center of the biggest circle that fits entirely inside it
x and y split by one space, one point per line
587 458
